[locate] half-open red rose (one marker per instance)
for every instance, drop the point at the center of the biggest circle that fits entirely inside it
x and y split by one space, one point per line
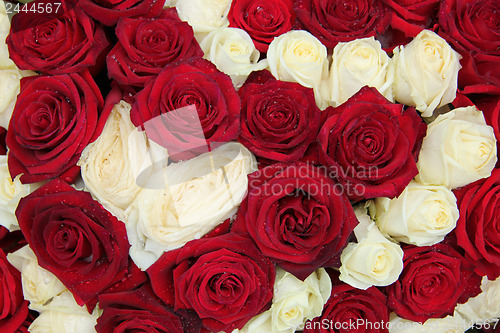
224 279
54 119
63 41
188 108
370 145
145 46
75 238
297 216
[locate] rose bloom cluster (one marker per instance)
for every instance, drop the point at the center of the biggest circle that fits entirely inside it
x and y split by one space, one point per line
253 166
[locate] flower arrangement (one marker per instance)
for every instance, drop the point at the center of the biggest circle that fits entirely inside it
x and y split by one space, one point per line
249 166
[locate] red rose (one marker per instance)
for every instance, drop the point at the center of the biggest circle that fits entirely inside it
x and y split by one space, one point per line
333 21
473 29
53 120
3 144
13 307
75 238
262 19
433 281
224 279
477 226
66 41
352 310
371 145
279 120
145 46
190 105
110 11
297 216
140 311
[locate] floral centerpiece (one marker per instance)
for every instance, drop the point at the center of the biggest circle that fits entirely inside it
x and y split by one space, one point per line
249 166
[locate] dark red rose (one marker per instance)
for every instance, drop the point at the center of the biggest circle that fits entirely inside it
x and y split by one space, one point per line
411 17
333 21
11 241
279 120
145 46
139 310
67 41
13 307
371 145
433 281
262 19
297 216
477 226
352 310
473 29
53 120
224 279
189 106
3 144
75 238
109 12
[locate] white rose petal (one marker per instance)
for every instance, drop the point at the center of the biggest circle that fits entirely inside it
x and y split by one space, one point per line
201 193
449 324
422 215
485 307
458 149
233 52
374 260
426 72
298 56
5 61
9 89
359 63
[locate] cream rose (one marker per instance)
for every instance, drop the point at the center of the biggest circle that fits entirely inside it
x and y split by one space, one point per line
5 61
106 164
359 63
200 193
483 309
294 302
449 324
39 285
422 215
426 72
10 79
233 52
298 56
458 149
373 260
63 315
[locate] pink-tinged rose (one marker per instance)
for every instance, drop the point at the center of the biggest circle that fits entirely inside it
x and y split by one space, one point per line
13 307
434 280
297 216
61 42
262 19
333 21
145 46
54 119
473 30
224 279
371 145
411 17
477 226
347 306
140 310
188 108
76 239
109 12
279 120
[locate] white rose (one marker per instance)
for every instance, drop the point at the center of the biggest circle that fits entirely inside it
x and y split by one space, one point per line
426 72
204 15
9 89
449 324
201 193
63 315
294 302
359 63
233 52
458 149
298 56
5 61
373 260
422 215
39 285
11 191
485 307
106 164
